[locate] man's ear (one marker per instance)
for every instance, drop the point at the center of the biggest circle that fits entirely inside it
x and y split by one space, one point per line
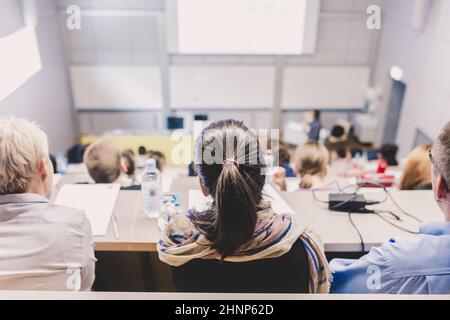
202 187
43 168
441 188
123 167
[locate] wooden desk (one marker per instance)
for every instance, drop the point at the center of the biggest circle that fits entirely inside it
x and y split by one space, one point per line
336 231
137 233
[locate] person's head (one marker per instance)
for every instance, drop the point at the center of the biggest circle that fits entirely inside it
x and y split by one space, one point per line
160 159
388 153
128 161
283 153
337 131
316 114
417 171
440 159
311 159
25 165
229 163
103 161
142 151
341 153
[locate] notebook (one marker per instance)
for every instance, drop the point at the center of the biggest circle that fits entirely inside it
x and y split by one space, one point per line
97 201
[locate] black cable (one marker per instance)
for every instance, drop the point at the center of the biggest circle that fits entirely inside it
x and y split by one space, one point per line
393 224
359 185
391 213
389 195
323 187
357 231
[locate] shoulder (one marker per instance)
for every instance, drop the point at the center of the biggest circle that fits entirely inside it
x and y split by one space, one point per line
65 217
418 255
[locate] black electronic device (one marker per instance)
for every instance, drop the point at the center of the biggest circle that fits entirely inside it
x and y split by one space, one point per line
347 202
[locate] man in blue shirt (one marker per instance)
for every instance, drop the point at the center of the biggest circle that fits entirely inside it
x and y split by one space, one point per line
416 265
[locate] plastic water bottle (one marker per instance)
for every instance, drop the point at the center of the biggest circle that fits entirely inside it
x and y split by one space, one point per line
152 189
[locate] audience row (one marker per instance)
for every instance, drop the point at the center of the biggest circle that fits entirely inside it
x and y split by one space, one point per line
239 243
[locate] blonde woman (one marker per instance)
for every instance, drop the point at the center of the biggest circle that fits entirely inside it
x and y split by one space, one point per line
43 246
417 172
310 164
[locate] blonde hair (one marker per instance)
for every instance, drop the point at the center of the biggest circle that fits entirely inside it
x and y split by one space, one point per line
417 171
22 145
311 160
103 161
441 154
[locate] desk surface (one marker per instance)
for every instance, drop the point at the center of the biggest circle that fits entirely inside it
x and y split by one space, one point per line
138 233
338 234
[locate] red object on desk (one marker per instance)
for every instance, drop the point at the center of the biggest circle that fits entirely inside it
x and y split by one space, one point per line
376 180
382 166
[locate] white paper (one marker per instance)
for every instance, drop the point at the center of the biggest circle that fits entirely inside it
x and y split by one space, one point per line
97 201
198 201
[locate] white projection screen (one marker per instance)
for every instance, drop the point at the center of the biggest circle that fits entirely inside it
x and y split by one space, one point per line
253 27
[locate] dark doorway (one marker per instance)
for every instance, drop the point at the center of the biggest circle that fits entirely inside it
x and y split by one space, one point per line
394 111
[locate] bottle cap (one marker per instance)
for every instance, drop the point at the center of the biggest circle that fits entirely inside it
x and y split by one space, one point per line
150 164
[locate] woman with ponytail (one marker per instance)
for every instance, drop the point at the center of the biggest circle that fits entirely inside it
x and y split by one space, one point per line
240 227
311 162
311 165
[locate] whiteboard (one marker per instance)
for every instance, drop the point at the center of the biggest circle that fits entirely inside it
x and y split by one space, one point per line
246 26
324 87
116 87
221 86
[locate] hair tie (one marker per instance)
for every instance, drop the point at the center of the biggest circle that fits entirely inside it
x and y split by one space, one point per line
230 161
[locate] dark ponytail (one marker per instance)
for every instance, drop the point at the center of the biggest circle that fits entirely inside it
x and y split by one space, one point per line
235 184
235 206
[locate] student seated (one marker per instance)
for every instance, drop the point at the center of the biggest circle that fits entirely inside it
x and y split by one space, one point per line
310 163
417 172
388 153
408 265
129 162
42 246
338 139
285 159
104 162
239 239
160 159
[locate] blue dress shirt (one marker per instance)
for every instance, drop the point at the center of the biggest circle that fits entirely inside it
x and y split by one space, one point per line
413 265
